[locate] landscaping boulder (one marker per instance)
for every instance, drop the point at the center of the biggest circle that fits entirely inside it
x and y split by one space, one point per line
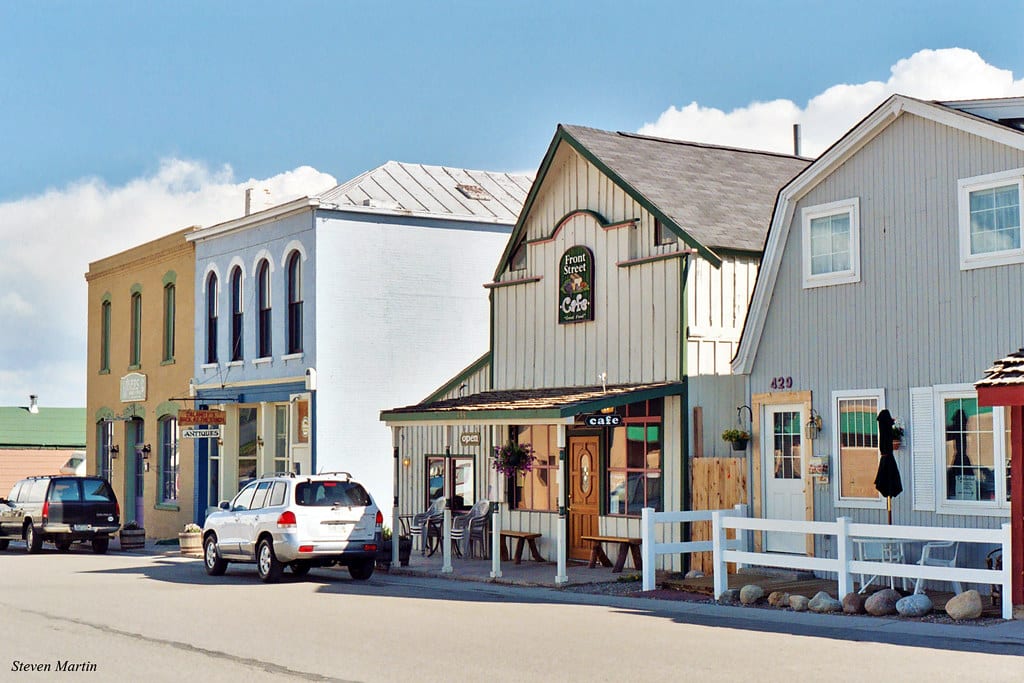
694 574
823 603
967 605
853 603
751 593
729 596
798 603
916 605
882 603
778 599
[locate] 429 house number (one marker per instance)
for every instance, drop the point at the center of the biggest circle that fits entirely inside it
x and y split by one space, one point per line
782 382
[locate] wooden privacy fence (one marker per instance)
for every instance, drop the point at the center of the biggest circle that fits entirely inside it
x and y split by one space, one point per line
844 565
716 484
651 548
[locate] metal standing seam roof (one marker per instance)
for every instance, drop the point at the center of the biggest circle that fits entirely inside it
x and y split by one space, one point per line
49 428
722 196
1004 372
434 191
553 401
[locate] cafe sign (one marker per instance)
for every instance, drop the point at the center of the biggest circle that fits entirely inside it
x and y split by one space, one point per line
602 420
576 286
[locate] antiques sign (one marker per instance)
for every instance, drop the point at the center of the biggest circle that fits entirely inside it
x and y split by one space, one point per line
576 286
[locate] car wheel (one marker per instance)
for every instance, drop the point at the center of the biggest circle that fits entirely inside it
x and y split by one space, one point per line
33 541
215 565
361 570
63 546
4 543
268 566
300 568
100 545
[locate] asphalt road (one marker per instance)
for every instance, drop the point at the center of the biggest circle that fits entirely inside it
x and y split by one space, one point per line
161 618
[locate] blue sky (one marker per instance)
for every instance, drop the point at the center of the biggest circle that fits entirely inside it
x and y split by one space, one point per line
109 89
121 122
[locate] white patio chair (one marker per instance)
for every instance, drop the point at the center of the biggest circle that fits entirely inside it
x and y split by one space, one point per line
420 522
943 559
463 525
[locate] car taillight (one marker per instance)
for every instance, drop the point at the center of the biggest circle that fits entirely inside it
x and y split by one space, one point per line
370 547
117 509
286 520
305 548
46 509
380 518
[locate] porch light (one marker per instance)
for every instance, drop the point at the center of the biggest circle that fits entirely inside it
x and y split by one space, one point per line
813 426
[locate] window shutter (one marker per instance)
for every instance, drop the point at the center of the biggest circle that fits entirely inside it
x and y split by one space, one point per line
922 447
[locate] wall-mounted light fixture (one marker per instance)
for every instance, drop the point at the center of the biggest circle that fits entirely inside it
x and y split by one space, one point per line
146 450
259 441
114 450
406 462
813 426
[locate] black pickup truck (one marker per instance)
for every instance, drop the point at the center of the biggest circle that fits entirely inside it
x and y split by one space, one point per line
59 509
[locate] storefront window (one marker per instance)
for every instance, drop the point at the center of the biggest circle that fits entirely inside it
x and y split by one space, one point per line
246 445
105 434
538 488
169 460
971 456
462 469
214 490
281 438
634 461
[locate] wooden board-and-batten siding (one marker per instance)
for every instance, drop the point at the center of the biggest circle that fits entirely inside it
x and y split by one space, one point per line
914 319
718 484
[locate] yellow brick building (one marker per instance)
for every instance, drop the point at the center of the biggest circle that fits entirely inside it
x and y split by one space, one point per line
140 350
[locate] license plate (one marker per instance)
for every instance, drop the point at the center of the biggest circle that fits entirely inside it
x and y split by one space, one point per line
81 527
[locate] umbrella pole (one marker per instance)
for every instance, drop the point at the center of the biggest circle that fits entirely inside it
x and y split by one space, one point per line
888 508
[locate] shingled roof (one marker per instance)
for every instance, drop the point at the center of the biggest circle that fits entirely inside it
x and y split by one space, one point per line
722 196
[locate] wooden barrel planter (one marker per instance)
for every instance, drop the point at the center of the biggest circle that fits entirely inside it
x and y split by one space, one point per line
132 539
191 544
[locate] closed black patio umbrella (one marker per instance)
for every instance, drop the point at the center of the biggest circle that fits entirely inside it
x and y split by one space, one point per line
887 480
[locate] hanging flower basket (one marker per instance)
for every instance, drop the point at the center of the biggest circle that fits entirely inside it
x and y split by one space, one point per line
737 437
514 458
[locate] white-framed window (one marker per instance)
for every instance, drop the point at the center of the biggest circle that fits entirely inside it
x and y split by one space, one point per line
831 243
855 445
990 219
972 471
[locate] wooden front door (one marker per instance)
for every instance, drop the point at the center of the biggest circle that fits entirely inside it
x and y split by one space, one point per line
584 493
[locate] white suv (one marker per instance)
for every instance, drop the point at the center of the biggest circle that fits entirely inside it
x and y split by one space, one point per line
295 521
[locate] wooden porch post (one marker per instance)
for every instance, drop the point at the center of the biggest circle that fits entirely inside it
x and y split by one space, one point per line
1017 503
395 530
498 487
449 492
561 576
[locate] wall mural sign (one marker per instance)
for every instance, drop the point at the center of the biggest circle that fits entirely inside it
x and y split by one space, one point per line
576 286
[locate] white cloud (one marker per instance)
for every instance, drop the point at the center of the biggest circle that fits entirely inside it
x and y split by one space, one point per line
49 240
946 74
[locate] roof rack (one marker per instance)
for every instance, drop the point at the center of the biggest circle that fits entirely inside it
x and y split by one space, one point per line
347 475
271 475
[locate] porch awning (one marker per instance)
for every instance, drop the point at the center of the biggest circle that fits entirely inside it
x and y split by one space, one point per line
525 406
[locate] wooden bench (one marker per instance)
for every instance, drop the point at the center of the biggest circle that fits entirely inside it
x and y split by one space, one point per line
522 538
626 546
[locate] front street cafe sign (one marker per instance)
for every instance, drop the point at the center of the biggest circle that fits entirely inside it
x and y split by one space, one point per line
576 286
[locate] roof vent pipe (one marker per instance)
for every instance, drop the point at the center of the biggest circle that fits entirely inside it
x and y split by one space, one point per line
248 201
33 406
796 139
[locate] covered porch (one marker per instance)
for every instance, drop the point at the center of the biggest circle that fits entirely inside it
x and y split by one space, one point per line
568 413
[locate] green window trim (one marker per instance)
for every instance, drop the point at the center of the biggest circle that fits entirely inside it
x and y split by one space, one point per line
167 408
135 341
170 278
105 318
169 317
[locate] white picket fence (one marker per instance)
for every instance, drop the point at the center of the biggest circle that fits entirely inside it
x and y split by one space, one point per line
844 565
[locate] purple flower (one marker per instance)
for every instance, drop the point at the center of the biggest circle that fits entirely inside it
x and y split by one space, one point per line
512 458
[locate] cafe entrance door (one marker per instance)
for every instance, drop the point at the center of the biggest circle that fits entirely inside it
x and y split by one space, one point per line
584 493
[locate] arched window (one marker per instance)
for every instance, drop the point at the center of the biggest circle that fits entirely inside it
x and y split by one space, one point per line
105 337
136 340
169 322
169 463
104 442
211 318
263 284
236 314
295 303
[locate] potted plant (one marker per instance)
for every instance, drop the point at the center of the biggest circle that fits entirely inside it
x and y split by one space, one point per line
384 550
132 536
737 437
513 460
898 430
190 541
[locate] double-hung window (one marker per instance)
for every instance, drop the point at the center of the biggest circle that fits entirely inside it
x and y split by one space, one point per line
990 219
135 344
263 296
169 463
236 314
211 318
295 303
831 243
855 443
169 322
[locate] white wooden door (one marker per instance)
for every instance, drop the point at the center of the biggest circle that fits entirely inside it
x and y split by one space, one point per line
785 469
